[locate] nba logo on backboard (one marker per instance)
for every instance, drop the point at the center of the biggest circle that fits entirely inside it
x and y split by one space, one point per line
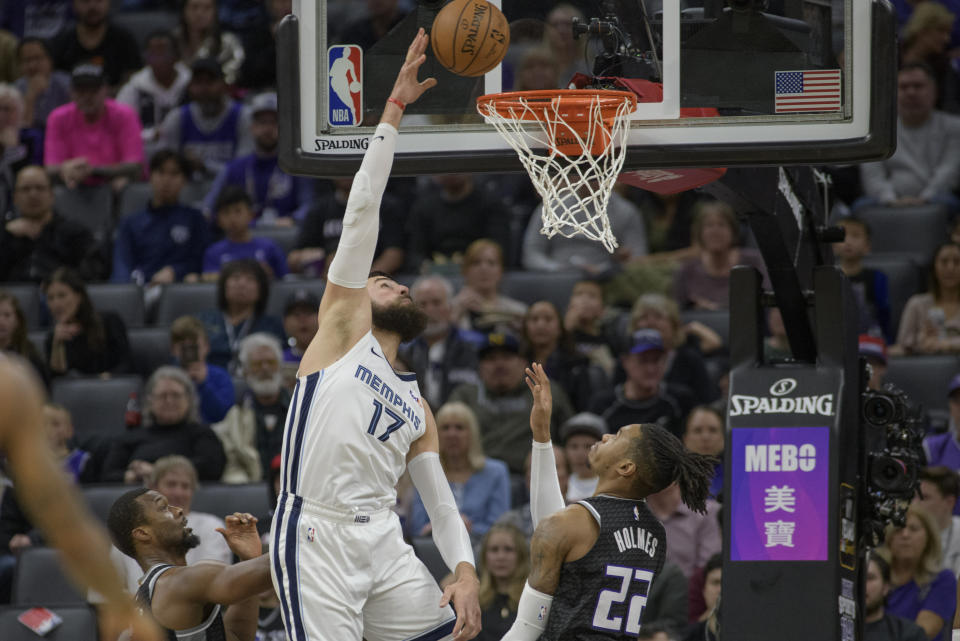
345 85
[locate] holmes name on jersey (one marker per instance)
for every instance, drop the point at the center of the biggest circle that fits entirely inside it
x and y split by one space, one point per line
741 405
635 538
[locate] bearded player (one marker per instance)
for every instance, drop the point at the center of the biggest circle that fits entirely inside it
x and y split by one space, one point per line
592 563
340 566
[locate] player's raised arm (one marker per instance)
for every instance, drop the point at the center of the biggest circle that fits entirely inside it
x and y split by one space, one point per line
345 314
55 506
449 532
545 495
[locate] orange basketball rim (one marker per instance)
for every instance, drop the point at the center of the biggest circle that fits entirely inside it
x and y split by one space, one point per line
588 113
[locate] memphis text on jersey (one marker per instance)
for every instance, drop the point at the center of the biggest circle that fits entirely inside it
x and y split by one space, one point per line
392 398
635 538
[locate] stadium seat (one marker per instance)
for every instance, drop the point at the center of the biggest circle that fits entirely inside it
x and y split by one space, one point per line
718 321
134 198
222 499
281 290
92 207
28 295
184 299
285 237
426 550
927 226
903 276
149 349
925 379
529 287
79 624
39 579
124 299
96 404
142 23
100 498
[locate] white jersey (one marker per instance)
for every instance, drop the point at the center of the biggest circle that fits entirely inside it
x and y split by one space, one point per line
349 429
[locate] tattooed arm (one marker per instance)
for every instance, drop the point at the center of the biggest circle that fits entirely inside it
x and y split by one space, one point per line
561 538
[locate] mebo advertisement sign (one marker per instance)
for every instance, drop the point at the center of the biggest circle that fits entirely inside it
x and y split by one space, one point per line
778 490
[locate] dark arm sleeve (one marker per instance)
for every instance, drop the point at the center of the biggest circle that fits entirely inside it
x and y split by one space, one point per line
208 456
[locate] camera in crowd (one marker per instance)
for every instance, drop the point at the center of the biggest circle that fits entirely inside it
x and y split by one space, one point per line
623 54
894 431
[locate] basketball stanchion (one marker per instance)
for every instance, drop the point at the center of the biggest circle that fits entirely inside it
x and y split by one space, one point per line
572 144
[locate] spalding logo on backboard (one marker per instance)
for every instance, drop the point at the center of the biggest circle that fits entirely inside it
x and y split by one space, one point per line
345 85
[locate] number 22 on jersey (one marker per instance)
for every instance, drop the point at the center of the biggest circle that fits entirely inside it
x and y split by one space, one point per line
607 599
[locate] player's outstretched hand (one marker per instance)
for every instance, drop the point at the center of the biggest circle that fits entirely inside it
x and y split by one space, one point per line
408 88
539 383
241 535
464 594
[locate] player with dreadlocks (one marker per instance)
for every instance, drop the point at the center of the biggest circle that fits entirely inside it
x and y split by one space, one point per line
592 563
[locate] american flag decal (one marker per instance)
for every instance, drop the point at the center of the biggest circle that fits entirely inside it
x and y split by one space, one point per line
807 91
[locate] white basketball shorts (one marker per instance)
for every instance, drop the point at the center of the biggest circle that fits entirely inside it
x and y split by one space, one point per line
349 576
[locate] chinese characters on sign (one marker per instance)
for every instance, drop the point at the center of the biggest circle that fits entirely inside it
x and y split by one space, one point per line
779 481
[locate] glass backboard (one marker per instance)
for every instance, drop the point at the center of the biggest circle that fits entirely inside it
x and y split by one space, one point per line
721 82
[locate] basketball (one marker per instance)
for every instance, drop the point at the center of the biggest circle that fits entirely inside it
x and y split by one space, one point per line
470 37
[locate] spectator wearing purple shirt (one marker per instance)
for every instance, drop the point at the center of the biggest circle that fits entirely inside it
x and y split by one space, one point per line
277 198
921 591
234 213
944 449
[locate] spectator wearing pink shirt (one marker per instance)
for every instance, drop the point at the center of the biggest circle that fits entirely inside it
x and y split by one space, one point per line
93 139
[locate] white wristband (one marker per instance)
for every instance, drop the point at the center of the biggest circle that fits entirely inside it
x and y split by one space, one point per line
533 612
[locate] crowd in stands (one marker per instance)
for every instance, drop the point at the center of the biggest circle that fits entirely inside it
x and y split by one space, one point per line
149 164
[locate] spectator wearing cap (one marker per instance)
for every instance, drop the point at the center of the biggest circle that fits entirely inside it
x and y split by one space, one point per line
277 198
165 242
158 88
937 494
443 356
93 138
39 239
874 350
94 38
944 449
502 401
577 435
644 397
300 322
252 431
190 348
234 213
321 227
481 485
211 129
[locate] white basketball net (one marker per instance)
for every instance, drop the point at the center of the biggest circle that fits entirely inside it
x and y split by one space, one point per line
575 188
